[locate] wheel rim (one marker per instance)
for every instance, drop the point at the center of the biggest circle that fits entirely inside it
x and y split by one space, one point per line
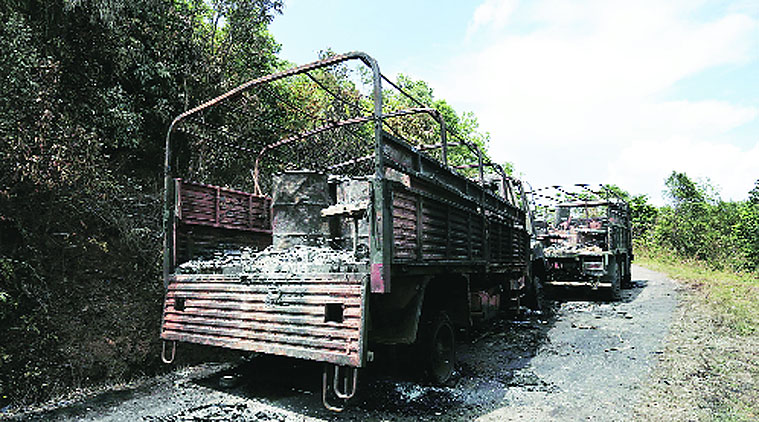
443 353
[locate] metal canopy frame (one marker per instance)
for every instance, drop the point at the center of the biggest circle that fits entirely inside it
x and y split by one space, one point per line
382 120
545 200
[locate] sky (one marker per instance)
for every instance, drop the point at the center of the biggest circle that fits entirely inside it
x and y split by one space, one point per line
582 91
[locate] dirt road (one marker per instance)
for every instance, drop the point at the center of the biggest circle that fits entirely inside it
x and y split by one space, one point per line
581 360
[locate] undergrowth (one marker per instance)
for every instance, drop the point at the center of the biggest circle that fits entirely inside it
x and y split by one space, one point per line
733 296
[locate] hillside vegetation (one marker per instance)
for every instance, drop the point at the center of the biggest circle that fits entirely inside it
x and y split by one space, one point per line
88 89
712 243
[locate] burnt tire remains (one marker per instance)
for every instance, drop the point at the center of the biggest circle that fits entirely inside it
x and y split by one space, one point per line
438 349
615 277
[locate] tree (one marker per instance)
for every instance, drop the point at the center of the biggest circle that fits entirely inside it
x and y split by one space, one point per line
89 88
753 194
699 225
682 191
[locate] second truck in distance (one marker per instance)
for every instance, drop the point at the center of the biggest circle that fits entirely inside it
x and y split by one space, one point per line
586 236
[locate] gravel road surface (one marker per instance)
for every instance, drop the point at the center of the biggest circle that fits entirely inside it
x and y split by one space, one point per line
579 360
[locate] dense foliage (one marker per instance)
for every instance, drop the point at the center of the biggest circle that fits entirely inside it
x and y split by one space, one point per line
88 89
698 225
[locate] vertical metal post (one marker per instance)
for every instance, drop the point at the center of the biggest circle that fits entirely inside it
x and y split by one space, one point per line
447 231
168 210
377 93
217 202
479 164
485 228
443 138
381 219
419 227
470 237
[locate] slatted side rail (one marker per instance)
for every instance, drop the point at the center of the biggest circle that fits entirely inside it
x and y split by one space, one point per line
214 206
211 219
428 229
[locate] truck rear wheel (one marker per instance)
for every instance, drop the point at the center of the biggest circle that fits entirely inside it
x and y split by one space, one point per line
616 280
534 292
627 279
439 349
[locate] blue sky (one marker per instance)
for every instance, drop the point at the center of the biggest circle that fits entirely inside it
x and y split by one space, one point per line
585 91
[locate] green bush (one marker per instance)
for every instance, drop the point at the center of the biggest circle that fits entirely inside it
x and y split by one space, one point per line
698 225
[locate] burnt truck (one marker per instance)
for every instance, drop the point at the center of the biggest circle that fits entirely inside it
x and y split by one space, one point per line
586 239
365 227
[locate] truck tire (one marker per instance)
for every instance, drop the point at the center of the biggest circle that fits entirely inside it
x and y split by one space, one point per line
438 349
534 295
615 274
627 279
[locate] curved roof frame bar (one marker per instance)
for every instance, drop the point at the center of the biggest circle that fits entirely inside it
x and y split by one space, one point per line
365 58
356 120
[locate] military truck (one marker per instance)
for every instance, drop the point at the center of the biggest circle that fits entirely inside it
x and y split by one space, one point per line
586 239
367 226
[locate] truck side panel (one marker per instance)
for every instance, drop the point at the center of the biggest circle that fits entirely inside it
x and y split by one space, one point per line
450 231
439 217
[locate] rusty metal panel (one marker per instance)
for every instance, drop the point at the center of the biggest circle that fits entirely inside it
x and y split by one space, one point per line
215 206
353 191
404 226
298 198
434 230
310 316
211 219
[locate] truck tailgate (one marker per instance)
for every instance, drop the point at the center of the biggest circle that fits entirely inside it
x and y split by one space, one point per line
310 316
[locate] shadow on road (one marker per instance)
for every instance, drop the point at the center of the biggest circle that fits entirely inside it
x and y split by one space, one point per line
490 359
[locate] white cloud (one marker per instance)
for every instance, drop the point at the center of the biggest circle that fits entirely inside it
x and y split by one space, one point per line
648 163
594 76
697 118
495 13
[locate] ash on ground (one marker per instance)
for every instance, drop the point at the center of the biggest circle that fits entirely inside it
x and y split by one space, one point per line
295 260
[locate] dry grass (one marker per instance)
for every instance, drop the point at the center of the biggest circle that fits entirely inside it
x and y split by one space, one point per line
709 369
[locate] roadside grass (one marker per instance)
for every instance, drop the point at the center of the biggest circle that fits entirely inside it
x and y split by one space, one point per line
709 369
733 296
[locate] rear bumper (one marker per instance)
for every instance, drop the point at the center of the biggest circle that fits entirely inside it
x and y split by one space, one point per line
577 284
